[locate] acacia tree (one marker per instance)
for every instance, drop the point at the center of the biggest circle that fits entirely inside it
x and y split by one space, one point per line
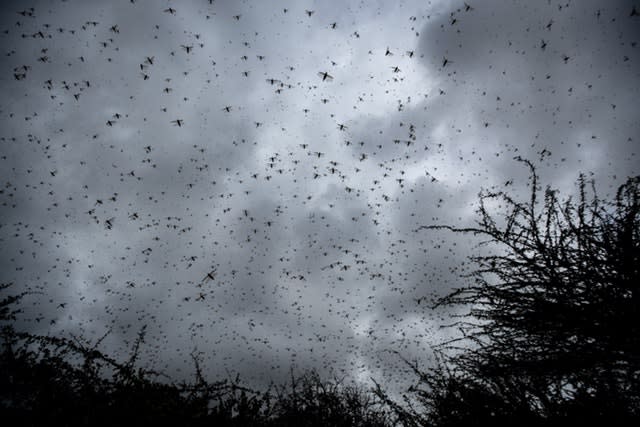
552 331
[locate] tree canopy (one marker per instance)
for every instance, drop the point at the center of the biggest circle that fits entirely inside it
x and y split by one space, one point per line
552 328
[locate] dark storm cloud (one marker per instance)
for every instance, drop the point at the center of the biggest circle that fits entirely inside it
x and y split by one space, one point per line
543 75
303 199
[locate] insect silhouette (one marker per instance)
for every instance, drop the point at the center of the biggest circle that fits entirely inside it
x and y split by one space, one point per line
210 276
325 76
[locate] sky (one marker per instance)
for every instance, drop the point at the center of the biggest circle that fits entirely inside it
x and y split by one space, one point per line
247 179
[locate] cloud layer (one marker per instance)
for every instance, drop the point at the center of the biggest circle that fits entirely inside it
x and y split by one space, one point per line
195 171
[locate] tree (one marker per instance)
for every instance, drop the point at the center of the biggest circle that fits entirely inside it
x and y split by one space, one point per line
60 381
553 327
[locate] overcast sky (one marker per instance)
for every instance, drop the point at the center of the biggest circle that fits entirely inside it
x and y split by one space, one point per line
246 178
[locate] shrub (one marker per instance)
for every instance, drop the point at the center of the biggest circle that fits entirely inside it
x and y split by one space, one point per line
552 331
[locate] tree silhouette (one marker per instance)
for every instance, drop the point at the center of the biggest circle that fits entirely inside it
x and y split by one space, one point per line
46 380
552 331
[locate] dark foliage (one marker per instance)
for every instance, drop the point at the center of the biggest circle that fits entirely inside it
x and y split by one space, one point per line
56 381
552 334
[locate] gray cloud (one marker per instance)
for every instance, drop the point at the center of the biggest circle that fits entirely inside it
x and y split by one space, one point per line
115 215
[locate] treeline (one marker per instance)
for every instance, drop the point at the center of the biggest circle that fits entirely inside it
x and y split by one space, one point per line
57 381
551 336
